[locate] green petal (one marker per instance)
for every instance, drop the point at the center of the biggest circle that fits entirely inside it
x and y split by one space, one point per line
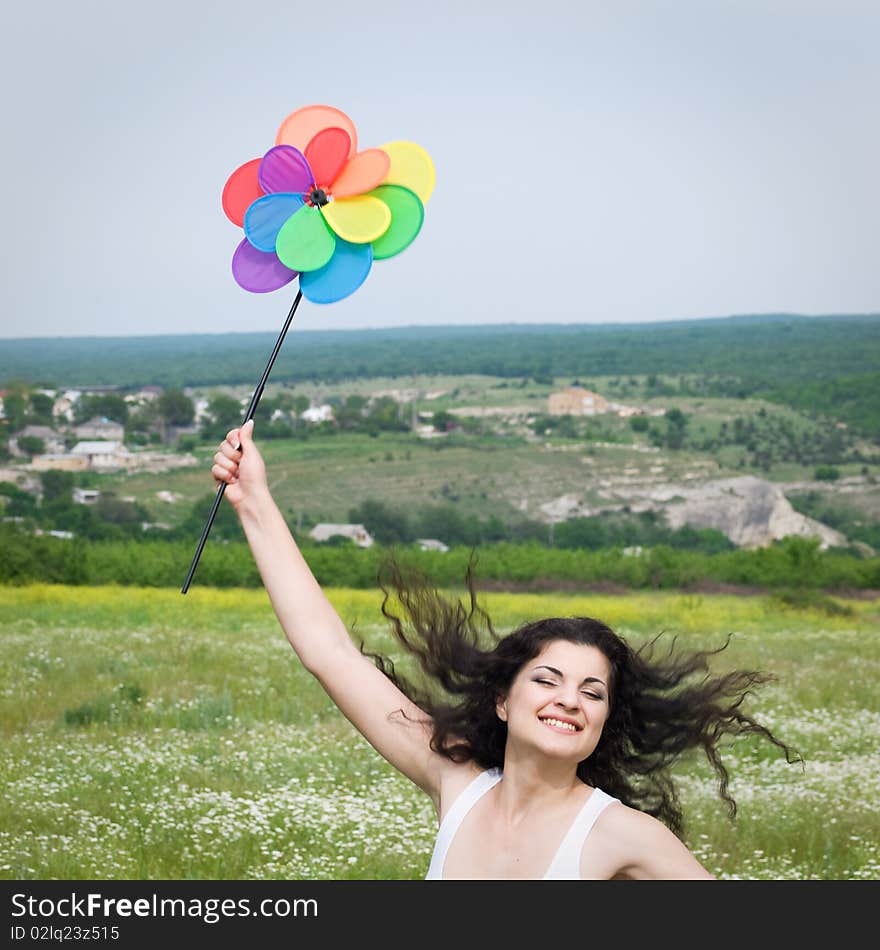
407 215
305 242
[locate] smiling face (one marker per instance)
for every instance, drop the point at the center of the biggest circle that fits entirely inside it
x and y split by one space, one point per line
559 700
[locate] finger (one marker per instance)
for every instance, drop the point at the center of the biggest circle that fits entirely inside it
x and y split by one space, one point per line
246 433
225 463
232 438
230 451
223 475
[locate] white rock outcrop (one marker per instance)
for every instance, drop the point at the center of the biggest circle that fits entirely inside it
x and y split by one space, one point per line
751 511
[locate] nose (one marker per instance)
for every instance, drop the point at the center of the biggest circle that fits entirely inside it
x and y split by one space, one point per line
567 698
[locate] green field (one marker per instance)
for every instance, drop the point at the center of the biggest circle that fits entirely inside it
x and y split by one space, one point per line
146 735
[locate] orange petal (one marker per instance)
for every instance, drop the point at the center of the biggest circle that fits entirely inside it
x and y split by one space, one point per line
364 172
300 127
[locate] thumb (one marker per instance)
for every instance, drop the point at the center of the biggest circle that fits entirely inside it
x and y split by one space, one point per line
246 433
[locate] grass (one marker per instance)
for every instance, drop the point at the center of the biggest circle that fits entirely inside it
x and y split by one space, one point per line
148 735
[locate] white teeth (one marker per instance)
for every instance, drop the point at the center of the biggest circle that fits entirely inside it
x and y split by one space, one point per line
559 722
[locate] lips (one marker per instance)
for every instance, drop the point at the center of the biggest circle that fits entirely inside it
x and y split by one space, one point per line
560 725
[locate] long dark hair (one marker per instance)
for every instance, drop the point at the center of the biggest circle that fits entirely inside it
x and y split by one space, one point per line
657 710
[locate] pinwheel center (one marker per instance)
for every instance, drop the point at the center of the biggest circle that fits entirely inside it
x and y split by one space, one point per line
318 197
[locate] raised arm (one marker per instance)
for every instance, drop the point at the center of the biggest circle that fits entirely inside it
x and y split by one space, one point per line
387 719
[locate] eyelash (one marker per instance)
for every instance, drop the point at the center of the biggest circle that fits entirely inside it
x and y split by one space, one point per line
551 683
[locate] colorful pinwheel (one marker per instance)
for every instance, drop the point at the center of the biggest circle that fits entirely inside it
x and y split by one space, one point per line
316 207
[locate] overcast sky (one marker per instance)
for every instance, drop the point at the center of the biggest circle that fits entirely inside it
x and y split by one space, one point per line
596 161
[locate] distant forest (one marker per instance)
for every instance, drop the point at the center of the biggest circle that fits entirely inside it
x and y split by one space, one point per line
824 364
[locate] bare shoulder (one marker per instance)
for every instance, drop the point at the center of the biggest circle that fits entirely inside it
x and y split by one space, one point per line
638 846
454 779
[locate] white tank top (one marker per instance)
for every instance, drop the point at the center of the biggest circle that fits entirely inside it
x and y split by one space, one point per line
565 866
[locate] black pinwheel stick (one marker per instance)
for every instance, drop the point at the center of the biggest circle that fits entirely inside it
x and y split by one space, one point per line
251 409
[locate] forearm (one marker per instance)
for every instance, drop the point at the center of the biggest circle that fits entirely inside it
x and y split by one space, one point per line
312 625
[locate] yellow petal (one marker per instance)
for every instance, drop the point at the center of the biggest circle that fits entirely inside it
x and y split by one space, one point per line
359 220
411 166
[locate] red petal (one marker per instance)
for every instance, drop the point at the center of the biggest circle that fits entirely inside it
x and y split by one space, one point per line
241 190
326 154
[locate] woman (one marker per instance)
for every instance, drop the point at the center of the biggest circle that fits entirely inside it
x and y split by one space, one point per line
553 761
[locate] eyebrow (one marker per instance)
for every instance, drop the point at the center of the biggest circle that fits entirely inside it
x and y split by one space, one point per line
586 679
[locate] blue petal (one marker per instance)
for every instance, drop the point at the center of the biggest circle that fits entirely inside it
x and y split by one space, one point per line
267 215
340 276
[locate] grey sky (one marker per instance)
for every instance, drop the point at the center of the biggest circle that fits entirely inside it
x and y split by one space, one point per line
596 162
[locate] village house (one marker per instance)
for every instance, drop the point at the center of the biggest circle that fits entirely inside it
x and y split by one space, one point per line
102 455
576 401
62 408
103 429
357 532
86 496
317 414
431 544
63 463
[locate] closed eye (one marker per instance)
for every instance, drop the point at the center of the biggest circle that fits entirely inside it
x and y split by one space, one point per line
583 692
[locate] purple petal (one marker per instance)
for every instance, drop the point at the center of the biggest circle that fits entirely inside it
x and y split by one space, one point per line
284 168
258 271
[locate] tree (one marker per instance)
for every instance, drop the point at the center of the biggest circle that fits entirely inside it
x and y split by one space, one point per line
31 445
350 413
14 408
226 525
56 484
120 512
104 405
224 413
384 412
176 408
824 473
386 524
676 424
41 408
19 503
442 420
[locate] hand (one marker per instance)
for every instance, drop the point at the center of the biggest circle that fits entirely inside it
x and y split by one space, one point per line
242 469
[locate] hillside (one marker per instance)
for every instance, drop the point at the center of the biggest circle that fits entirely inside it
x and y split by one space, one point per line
496 465
756 426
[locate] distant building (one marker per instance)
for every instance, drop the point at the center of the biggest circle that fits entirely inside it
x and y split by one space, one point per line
64 463
317 413
62 408
357 532
201 406
86 496
576 401
431 544
103 429
102 455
